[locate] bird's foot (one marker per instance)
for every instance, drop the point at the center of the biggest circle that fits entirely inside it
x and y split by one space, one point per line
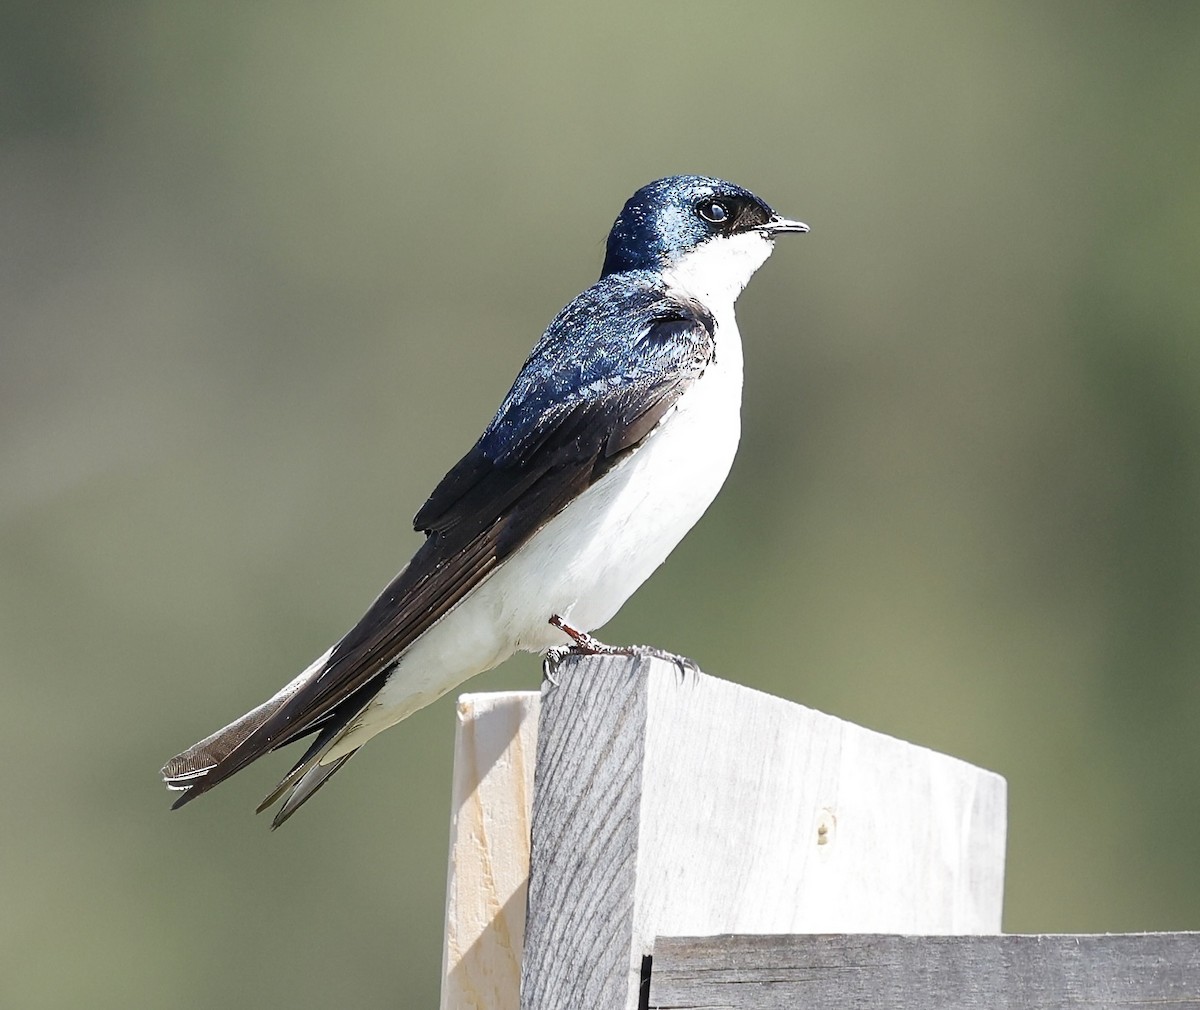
684 664
584 644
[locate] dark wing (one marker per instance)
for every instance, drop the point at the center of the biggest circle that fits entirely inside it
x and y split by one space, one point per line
606 372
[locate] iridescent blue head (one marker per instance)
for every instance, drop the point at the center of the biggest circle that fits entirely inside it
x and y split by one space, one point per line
664 221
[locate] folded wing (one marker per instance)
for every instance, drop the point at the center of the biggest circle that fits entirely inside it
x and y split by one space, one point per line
605 373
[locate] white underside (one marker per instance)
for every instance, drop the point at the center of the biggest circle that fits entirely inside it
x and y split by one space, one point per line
590 558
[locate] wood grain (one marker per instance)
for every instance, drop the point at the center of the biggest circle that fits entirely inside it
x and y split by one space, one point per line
1085 972
586 820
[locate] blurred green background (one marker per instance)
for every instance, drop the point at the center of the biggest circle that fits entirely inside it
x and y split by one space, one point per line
266 270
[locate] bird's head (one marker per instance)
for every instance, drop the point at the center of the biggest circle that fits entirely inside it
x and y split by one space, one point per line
707 234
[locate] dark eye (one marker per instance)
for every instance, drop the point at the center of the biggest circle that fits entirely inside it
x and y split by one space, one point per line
713 211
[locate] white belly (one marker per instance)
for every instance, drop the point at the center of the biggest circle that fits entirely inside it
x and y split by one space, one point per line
586 561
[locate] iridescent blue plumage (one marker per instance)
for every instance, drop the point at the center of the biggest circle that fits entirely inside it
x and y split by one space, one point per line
622 334
604 373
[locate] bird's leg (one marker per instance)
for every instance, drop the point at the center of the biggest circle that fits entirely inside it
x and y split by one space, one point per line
581 644
584 644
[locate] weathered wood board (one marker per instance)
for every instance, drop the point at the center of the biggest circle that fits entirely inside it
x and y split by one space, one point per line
849 972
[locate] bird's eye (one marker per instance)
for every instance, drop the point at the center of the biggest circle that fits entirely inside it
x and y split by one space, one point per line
713 211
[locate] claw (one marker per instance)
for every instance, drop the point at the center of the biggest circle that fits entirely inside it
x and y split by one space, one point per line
684 664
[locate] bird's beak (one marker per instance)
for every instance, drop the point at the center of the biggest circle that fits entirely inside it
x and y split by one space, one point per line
778 224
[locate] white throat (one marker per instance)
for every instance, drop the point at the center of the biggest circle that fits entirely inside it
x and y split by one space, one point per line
716 271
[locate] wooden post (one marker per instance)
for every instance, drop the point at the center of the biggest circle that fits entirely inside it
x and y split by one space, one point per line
686 805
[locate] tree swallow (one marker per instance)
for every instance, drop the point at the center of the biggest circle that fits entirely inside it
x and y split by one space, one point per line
616 436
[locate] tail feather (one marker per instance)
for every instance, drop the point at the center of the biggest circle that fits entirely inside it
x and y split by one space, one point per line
312 780
309 773
311 757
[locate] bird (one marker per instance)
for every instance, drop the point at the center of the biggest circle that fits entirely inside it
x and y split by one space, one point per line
614 439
